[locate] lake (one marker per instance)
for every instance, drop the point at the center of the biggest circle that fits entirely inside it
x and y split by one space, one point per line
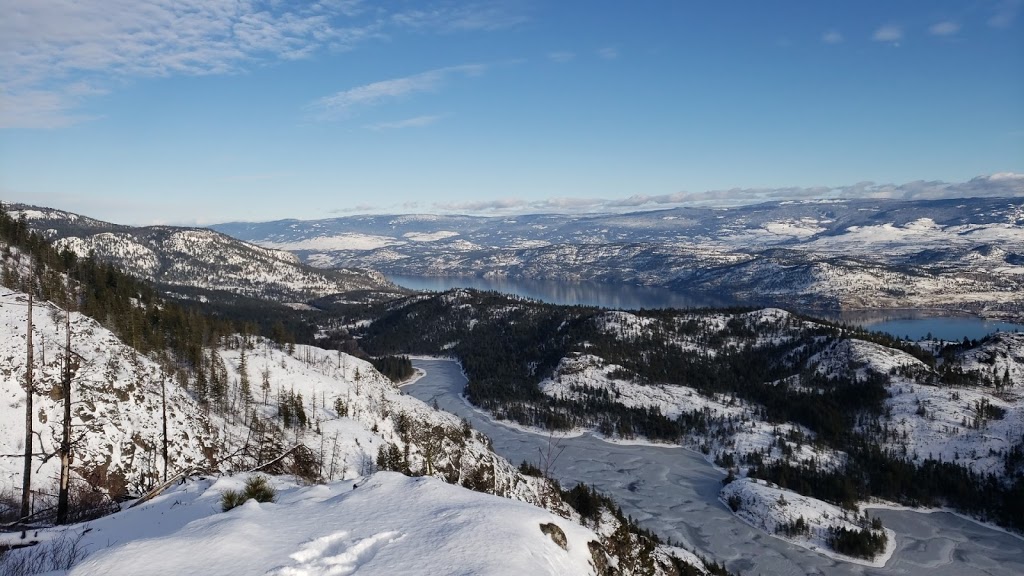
915 324
674 492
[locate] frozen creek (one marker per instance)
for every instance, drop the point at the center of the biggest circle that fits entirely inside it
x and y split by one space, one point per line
675 493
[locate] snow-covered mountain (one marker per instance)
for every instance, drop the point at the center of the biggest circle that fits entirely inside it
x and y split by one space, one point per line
197 259
964 254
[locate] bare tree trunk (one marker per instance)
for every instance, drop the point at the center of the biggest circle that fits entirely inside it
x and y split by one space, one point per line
163 399
65 443
26 486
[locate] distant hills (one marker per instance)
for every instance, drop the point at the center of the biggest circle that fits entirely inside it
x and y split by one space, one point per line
960 254
197 262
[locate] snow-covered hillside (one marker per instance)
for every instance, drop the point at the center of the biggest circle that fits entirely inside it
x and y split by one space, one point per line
116 405
117 409
804 521
961 254
386 524
198 259
1000 358
317 415
973 425
733 424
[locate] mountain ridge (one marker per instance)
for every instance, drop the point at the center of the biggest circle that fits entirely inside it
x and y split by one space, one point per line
957 254
197 258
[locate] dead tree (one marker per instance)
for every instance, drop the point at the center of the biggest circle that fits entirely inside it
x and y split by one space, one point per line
26 486
65 443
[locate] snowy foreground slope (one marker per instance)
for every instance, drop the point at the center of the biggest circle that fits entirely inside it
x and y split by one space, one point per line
351 416
389 524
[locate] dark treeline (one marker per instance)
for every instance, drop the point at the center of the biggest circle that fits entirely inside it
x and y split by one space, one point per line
871 472
397 368
507 346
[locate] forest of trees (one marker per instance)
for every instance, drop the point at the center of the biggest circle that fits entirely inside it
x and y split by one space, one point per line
397 368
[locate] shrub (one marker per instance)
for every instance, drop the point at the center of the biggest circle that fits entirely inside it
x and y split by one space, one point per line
256 488
57 555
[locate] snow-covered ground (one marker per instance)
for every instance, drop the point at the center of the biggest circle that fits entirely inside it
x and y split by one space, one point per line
116 404
386 524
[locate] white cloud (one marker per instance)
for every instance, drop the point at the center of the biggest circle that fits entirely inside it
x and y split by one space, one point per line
608 53
561 57
1005 13
456 17
1004 184
832 37
888 33
417 122
50 47
498 205
340 104
946 28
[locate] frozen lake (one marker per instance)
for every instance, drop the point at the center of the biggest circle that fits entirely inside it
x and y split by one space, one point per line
675 493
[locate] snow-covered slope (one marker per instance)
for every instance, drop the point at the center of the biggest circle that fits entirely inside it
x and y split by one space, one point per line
353 422
801 520
1000 358
198 259
973 424
116 409
386 524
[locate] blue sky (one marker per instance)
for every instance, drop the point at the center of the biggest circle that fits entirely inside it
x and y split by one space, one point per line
197 111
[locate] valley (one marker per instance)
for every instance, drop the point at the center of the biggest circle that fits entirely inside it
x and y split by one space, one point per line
511 288
707 425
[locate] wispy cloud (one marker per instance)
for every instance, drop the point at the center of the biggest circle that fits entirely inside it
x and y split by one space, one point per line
416 122
1006 184
888 33
608 53
340 104
49 49
832 37
945 28
361 208
1005 13
561 57
461 17
498 205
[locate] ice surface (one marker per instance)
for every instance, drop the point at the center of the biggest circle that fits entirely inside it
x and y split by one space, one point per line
675 492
